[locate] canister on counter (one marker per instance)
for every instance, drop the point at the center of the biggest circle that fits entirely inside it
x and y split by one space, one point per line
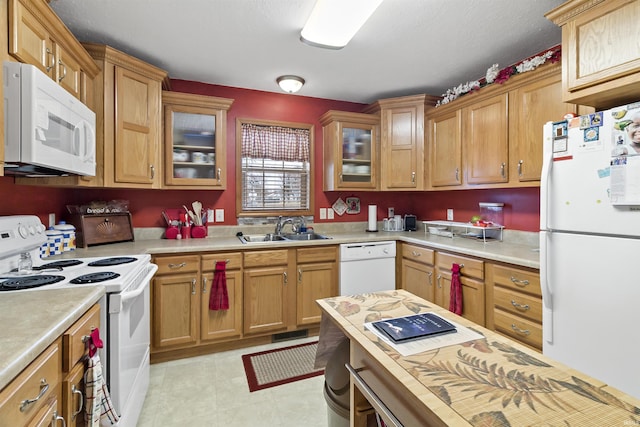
55 239
68 235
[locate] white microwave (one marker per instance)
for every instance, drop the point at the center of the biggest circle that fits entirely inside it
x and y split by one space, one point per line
47 130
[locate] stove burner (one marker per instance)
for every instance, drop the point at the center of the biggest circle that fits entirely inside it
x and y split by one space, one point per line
60 264
28 282
94 277
106 262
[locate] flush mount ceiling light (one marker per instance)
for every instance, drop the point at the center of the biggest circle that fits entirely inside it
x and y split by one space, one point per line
334 22
290 84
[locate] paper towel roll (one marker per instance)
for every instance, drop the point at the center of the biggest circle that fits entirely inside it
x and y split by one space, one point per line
373 218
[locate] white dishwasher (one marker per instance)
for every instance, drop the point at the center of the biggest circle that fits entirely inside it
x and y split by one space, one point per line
367 267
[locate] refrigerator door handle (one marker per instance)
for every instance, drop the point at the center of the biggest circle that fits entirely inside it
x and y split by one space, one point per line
547 294
545 175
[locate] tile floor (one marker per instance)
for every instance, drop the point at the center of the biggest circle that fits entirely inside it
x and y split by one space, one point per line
212 391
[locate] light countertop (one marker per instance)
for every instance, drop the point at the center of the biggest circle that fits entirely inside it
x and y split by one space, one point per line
513 249
32 320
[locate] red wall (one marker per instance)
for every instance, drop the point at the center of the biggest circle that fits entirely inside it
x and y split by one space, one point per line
521 205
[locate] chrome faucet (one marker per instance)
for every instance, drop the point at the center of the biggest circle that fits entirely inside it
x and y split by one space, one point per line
296 224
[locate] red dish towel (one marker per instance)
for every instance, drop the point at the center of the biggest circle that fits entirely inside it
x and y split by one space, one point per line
219 299
455 300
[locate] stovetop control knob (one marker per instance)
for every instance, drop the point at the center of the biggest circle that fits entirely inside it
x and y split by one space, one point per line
22 230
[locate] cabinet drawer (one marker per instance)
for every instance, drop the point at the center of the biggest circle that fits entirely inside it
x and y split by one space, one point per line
73 345
470 267
41 373
317 254
518 303
234 260
266 258
418 254
518 279
177 264
518 328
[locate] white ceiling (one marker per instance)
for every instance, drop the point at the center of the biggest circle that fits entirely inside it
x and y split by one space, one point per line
406 47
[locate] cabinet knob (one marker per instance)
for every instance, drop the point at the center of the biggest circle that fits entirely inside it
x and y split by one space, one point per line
74 390
415 254
430 274
193 286
50 54
204 285
285 277
502 169
413 177
153 171
299 275
457 174
520 167
219 175
173 266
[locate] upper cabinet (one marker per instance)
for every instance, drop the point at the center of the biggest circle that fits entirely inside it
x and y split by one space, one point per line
195 140
601 53
485 133
402 140
38 37
351 144
129 136
493 138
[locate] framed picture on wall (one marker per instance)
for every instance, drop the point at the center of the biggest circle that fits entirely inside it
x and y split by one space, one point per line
353 205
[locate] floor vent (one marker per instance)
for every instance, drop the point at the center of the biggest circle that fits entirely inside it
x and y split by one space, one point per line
285 336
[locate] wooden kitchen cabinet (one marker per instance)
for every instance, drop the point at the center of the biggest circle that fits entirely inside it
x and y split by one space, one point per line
485 134
351 150
41 378
317 278
221 324
600 51
267 291
402 140
471 279
444 161
128 111
418 270
514 299
195 141
38 37
175 296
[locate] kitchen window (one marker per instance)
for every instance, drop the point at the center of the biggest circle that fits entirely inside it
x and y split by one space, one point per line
274 174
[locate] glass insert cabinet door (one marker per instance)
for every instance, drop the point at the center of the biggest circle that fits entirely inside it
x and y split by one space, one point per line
356 155
194 142
351 145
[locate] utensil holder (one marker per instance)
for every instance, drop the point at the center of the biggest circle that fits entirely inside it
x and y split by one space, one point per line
199 231
171 232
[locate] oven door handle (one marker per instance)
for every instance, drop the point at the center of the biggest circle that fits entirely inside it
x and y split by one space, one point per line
117 301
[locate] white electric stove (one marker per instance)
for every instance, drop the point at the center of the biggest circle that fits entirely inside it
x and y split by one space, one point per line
125 308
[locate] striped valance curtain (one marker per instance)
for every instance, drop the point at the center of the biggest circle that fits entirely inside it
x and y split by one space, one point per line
275 143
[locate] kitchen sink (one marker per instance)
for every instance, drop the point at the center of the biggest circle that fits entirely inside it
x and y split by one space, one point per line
253 238
305 236
261 238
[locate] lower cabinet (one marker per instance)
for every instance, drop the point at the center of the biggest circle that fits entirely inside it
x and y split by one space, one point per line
221 324
266 290
50 391
175 301
317 278
418 271
515 303
471 279
270 291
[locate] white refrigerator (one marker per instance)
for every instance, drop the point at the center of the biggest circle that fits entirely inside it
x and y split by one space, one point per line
590 245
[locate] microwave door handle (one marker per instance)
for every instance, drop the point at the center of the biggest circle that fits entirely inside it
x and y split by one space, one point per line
83 132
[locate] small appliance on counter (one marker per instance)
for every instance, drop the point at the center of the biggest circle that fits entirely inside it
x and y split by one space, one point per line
410 223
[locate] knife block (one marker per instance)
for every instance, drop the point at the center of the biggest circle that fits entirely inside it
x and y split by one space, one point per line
102 229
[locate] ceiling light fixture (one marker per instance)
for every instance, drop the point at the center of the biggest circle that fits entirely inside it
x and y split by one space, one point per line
333 23
290 84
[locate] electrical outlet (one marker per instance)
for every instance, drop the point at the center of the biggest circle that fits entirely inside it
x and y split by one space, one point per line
52 219
210 216
449 214
390 212
219 215
330 213
323 213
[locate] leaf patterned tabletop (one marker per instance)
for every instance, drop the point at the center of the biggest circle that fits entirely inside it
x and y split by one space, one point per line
489 382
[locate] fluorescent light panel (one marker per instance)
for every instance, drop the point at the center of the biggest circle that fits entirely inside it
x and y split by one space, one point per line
333 23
